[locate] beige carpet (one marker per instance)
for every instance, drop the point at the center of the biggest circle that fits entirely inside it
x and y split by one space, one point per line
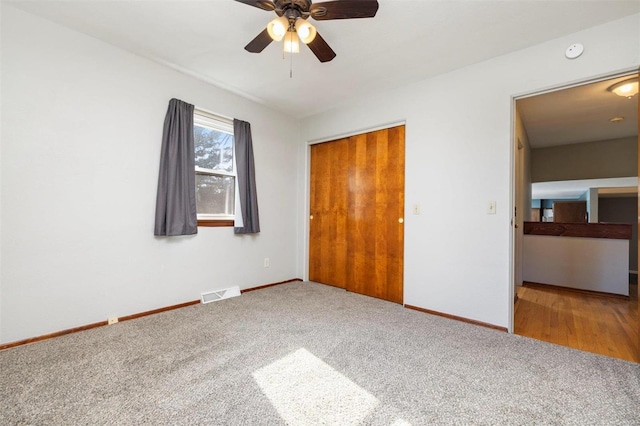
307 354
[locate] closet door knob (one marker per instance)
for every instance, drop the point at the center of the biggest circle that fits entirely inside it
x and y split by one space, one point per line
401 220
311 217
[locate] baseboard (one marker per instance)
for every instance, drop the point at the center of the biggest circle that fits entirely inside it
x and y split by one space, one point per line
575 290
457 318
157 311
51 335
270 285
124 318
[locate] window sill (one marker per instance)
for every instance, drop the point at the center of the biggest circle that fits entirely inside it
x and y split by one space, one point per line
215 222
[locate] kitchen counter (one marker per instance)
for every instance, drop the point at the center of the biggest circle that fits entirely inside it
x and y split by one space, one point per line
585 256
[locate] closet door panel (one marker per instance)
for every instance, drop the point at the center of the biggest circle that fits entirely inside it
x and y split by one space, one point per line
376 214
328 213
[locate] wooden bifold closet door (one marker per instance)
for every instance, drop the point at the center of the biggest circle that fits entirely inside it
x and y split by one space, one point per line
356 223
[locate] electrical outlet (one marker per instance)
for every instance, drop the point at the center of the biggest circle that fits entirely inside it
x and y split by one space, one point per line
266 262
112 320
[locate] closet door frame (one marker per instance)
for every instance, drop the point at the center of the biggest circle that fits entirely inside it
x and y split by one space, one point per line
305 225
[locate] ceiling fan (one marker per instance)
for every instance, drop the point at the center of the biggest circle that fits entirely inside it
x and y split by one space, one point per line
292 23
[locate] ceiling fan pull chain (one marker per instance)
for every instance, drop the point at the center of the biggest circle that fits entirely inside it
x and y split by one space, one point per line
291 66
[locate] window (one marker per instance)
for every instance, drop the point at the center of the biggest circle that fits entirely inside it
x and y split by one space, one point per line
215 169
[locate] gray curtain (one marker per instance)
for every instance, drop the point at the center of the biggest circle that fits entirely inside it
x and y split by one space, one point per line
246 175
176 200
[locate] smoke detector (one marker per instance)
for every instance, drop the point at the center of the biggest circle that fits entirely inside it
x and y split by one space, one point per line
574 51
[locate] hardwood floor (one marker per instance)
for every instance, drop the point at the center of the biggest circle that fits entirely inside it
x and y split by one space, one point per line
592 323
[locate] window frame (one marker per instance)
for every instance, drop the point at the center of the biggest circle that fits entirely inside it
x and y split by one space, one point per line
215 122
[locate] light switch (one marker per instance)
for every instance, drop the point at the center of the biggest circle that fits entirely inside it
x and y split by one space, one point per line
491 209
416 209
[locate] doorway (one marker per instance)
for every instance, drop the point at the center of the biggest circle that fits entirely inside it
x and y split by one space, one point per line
583 155
356 224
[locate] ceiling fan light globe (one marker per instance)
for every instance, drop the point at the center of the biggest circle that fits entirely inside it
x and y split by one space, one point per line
278 28
291 44
306 32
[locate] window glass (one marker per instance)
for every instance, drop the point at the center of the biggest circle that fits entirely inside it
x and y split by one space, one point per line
215 194
215 173
214 149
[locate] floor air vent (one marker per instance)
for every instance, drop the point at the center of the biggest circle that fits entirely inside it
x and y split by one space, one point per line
225 293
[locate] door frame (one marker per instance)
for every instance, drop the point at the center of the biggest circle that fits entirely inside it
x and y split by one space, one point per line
512 172
307 180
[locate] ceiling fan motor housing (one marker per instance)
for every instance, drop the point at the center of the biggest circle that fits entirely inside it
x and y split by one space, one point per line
293 9
302 5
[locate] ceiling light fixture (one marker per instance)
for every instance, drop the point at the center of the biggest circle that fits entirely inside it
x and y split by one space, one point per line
627 88
293 16
278 28
285 28
291 44
305 30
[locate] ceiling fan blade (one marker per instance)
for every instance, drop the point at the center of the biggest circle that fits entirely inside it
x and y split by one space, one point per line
258 44
321 49
344 9
260 4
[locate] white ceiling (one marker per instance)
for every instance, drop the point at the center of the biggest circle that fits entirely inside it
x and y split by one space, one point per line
407 41
576 115
579 114
574 189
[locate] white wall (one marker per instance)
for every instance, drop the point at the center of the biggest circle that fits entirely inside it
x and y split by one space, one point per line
594 264
81 134
81 126
459 131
